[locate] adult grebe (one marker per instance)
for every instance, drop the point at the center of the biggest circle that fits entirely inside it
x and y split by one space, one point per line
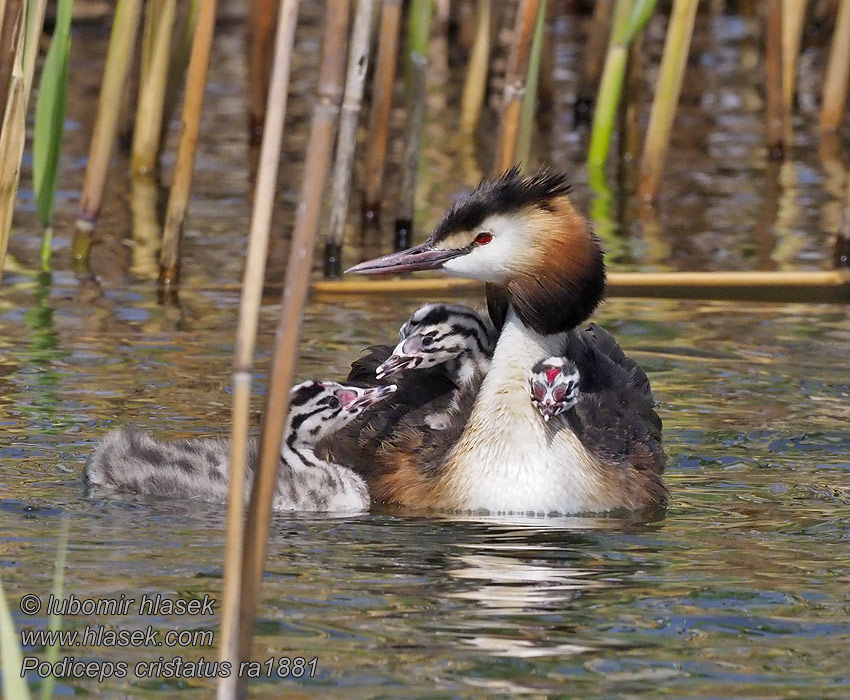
545 275
133 462
457 339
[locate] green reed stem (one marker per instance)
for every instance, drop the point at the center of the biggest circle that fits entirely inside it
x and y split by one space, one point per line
50 116
629 18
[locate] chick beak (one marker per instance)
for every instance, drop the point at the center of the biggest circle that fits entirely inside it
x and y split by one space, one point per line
371 396
421 257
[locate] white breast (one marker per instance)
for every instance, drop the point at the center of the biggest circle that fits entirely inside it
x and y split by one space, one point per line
507 459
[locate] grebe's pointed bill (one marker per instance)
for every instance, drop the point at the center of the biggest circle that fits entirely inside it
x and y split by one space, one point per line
421 257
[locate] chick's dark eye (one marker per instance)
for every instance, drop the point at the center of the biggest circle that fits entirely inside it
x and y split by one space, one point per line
483 238
427 341
333 402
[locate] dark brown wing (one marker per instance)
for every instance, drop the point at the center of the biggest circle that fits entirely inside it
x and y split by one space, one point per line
615 416
374 442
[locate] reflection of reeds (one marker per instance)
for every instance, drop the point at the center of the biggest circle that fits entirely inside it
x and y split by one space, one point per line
298 271
837 77
358 61
252 288
382 100
515 84
666 98
190 124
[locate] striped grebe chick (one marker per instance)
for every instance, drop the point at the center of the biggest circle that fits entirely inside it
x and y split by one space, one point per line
554 386
545 276
133 462
455 338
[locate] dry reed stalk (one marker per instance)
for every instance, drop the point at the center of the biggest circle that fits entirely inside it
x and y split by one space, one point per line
776 126
190 125
358 63
667 88
252 291
13 136
547 89
299 267
475 85
10 12
156 52
793 22
837 77
412 146
594 57
382 101
617 284
515 76
260 37
529 101
252 288
119 57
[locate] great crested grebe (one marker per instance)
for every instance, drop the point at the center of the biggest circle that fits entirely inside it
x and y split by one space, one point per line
545 275
133 462
554 386
455 338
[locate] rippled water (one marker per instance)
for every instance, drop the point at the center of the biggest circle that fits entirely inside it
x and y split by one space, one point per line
740 591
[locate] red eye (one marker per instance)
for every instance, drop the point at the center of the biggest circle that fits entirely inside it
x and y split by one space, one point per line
483 238
538 390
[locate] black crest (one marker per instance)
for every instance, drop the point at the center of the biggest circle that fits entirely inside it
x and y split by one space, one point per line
505 194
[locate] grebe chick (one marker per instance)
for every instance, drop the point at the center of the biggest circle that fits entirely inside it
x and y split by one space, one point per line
545 275
554 385
134 462
455 338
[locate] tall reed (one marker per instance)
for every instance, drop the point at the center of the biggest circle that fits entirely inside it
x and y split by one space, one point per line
776 116
837 79
666 98
246 336
50 124
793 23
13 132
156 52
358 63
629 18
841 250
515 85
190 125
298 273
418 32
475 84
10 14
594 58
382 101
260 37
125 27
406 205
529 100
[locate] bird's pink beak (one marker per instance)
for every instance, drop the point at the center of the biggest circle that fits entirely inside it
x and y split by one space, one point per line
421 257
356 399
